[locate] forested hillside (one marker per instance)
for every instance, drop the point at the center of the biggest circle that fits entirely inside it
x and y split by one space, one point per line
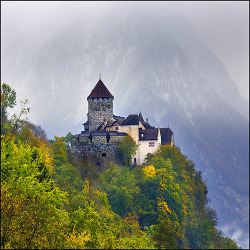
50 200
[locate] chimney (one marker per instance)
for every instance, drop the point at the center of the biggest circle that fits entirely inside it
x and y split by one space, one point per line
147 120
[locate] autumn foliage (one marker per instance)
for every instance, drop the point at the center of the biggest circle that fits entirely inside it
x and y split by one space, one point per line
49 200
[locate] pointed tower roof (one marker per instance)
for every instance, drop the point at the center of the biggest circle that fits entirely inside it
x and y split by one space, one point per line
100 90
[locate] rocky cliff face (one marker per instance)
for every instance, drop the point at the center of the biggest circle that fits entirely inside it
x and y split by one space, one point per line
159 66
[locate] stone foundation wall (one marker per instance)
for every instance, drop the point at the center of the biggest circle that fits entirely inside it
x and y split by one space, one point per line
98 151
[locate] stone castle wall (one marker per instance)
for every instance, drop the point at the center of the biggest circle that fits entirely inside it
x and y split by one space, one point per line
96 149
99 110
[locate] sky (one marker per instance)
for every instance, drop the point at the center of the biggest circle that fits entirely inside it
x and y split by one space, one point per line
223 26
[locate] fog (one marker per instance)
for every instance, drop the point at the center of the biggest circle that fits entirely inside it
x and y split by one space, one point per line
223 26
53 53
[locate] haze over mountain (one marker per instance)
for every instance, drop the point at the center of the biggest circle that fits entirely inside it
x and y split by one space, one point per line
156 64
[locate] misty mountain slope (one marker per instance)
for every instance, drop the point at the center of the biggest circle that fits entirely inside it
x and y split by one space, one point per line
154 65
207 66
159 77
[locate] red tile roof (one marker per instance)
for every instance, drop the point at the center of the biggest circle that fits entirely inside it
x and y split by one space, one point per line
100 90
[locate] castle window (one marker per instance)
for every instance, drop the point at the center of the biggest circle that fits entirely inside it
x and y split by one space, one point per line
116 128
151 144
103 99
134 160
97 100
93 99
108 138
103 154
108 99
142 135
90 138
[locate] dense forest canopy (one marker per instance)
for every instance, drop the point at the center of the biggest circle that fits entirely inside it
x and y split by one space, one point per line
51 200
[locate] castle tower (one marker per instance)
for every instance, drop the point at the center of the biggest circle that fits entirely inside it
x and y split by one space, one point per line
100 106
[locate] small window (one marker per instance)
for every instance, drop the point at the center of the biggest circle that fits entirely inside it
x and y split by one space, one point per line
142 135
103 154
98 163
103 99
93 99
90 138
151 144
108 99
116 128
134 160
108 138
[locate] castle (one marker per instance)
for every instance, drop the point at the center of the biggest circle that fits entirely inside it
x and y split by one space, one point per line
103 131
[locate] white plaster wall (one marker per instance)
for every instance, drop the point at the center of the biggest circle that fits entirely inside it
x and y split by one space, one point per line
144 149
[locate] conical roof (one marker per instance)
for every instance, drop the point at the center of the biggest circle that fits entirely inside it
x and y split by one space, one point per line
100 90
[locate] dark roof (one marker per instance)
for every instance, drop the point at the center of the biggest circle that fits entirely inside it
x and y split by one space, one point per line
111 123
118 118
148 134
131 120
166 134
147 125
100 90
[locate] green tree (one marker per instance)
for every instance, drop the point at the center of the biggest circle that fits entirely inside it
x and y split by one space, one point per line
17 120
127 148
163 235
67 139
32 210
59 150
8 100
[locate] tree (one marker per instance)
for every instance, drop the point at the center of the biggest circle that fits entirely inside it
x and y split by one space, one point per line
59 150
32 210
8 100
127 148
16 121
67 139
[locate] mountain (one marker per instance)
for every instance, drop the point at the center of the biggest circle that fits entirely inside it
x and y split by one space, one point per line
156 64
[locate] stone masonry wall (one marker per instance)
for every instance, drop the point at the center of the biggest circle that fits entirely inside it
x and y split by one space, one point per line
99 109
99 150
